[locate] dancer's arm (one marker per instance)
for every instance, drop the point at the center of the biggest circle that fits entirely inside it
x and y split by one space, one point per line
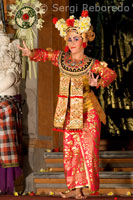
39 54
107 75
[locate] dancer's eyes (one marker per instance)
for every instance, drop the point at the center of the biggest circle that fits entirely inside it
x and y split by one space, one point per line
74 39
69 40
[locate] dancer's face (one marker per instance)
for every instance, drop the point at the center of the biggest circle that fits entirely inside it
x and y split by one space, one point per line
75 42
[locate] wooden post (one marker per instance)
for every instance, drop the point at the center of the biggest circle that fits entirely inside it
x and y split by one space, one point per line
48 75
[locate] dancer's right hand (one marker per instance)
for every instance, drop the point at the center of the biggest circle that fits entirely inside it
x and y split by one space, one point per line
25 50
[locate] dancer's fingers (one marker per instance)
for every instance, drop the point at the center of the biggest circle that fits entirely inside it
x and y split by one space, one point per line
92 75
97 77
24 45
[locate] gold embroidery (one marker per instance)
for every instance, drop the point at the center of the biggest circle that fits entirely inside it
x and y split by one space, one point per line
76 104
62 103
68 69
82 99
90 101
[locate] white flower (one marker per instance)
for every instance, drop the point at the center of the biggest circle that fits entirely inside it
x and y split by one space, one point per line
18 2
13 7
61 26
84 24
62 33
12 22
40 20
71 17
60 23
39 26
25 1
32 20
26 10
38 4
41 11
10 14
19 21
76 23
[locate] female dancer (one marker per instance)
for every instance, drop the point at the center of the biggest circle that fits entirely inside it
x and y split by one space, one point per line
78 113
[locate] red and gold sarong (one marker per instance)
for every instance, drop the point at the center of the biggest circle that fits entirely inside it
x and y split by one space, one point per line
81 153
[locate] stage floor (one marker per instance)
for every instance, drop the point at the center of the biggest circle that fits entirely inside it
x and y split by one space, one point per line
11 197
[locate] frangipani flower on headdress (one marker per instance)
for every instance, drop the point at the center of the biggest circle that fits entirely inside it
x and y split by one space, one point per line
26 16
82 25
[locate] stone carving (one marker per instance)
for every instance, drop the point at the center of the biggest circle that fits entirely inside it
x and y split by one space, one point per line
10 64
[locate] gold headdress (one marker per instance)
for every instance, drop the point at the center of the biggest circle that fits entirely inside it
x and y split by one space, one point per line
82 26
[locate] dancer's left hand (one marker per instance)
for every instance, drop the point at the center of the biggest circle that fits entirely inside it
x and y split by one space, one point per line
92 80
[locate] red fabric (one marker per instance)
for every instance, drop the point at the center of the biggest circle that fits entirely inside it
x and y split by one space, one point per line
54 58
39 55
68 131
81 153
59 130
107 75
80 97
66 49
63 96
42 55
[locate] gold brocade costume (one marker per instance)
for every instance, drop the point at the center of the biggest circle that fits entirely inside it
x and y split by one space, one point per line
77 81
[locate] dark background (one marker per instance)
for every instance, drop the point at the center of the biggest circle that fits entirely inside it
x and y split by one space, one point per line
114 45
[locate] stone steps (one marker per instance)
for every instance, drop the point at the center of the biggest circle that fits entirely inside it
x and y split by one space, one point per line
109 160
116 173
103 175
119 183
102 154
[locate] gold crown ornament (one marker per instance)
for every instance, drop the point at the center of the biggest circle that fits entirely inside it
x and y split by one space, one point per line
82 26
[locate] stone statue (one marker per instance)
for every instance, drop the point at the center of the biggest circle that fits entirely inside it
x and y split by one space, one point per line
10 65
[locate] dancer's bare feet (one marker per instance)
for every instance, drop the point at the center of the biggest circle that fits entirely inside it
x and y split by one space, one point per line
77 194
